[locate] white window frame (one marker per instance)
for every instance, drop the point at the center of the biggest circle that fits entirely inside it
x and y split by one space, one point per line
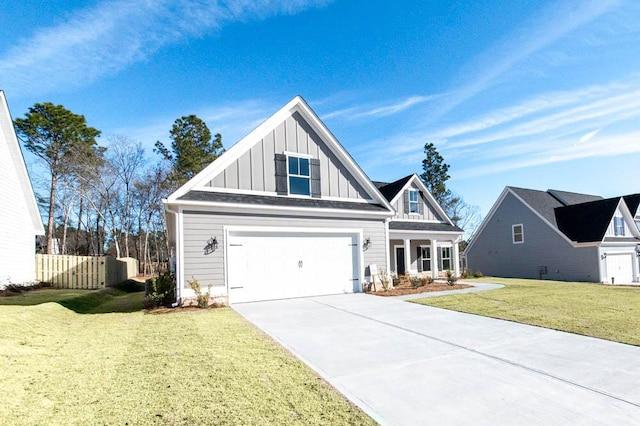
422 258
290 175
521 233
618 226
414 204
442 258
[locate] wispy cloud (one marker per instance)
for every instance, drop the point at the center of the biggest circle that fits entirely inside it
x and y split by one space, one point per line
112 35
367 110
540 32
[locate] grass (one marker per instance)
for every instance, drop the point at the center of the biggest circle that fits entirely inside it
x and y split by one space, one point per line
186 367
606 312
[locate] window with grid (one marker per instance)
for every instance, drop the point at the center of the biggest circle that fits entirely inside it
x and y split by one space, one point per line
299 176
413 201
618 225
517 233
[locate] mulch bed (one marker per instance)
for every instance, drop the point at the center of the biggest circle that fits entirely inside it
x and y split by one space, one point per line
406 288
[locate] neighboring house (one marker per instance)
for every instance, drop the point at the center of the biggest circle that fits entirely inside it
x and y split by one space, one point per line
287 212
559 235
20 220
422 238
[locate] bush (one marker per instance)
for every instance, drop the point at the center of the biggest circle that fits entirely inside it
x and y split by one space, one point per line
478 274
161 289
415 281
468 273
451 278
384 279
201 298
430 280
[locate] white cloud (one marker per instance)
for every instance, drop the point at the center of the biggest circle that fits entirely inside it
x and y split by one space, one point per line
367 111
589 136
112 35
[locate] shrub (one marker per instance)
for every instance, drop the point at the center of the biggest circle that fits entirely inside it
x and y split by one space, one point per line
384 279
415 281
162 289
468 273
201 298
430 280
478 274
451 278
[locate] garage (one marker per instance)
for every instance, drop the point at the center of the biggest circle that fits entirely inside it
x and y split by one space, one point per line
619 268
280 265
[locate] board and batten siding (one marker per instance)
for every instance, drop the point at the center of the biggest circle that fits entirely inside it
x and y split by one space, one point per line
255 169
428 212
209 269
494 253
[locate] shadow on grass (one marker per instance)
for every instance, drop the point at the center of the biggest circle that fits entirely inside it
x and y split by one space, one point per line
127 296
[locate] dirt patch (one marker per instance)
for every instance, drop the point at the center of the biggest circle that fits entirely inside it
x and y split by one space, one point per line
405 288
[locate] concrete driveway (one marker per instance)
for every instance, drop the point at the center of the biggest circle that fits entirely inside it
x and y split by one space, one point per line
407 364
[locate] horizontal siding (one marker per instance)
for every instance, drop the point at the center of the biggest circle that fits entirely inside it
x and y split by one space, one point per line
208 269
493 252
255 169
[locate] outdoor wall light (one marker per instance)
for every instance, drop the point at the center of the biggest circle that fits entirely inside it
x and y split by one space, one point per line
603 256
367 243
211 246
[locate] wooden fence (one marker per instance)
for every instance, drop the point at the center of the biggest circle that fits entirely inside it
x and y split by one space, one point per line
84 272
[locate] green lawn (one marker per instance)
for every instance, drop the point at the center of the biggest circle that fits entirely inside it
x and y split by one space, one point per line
189 367
607 312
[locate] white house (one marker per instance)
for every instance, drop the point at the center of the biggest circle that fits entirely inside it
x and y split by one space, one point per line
20 219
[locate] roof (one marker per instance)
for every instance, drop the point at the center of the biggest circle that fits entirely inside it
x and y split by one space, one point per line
586 222
569 198
8 134
423 226
390 190
633 202
265 200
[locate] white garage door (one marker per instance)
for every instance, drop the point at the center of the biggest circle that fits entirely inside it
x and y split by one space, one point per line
619 268
264 266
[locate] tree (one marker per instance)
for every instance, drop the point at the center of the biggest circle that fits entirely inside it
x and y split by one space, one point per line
192 148
435 174
59 137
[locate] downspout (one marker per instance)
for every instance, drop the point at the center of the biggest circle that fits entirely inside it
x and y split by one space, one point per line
168 209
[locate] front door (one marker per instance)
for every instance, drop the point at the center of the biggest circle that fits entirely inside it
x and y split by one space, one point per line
400 268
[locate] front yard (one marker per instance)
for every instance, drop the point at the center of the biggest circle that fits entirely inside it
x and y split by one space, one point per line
607 312
188 367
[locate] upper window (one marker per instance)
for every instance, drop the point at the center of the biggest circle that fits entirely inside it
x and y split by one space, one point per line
299 176
517 234
413 201
618 226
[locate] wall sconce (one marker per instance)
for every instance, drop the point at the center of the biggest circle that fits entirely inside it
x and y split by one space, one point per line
367 244
603 256
212 245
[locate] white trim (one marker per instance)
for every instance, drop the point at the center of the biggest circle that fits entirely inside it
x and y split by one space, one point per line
214 189
387 242
179 254
298 154
419 220
513 233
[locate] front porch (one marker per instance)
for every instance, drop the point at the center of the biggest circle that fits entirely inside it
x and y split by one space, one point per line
424 256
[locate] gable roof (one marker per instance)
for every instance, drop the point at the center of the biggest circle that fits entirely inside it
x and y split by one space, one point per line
8 137
633 202
296 105
390 190
586 222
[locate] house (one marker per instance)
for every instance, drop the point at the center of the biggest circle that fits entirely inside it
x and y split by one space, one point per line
287 212
20 220
422 238
559 235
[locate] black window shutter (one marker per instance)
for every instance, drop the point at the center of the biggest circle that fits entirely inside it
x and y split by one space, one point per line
406 202
281 174
315 177
419 257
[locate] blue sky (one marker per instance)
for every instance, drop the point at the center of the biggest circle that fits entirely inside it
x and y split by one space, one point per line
524 93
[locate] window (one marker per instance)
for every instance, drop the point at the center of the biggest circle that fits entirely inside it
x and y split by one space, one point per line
299 176
517 234
445 258
618 225
413 201
425 258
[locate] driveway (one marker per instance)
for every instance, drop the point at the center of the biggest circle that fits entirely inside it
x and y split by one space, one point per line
408 364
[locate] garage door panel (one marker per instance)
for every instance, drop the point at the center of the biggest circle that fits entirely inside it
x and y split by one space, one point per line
619 268
267 266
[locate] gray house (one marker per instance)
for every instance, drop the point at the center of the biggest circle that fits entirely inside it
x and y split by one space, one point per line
287 212
559 235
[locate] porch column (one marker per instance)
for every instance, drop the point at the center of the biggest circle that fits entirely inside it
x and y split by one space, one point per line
434 259
456 259
407 256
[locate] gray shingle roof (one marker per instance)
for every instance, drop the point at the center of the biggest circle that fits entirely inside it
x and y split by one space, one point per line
423 226
265 200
